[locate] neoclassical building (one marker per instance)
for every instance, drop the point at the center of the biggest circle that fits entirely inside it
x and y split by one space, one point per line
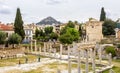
8 29
93 29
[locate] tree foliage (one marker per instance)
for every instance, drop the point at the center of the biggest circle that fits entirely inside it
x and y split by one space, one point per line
70 24
48 30
2 37
37 33
41 33
74 33
18 24
108 27
63 30
102 15
110 49
53 36
69 36
66 38
14 39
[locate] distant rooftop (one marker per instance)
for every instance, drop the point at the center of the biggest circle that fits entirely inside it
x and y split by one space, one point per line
4 27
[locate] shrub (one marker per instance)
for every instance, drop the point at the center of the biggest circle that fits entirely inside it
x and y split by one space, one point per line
118 45
110 49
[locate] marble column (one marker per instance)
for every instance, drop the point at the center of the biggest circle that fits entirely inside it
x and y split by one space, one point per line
44 48
93 59
68 52
86 63
91 54
69 66
82 54
69 61
100 54
55 52
40 49
50 48
31 46
61 51
79 62
110 59
35 46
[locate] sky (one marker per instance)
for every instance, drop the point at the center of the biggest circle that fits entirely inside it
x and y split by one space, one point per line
62 10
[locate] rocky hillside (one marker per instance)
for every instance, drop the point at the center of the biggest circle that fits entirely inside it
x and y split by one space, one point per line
48 21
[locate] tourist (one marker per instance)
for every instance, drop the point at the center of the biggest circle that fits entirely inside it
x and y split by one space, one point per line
39 58
19 62
26 60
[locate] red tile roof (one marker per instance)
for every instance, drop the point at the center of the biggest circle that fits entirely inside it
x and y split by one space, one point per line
4 27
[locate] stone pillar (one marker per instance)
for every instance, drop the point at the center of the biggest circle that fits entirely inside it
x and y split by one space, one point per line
68 52
61 51
86 63
93 59
69 61
31 46
28 50
69 66
35 46
79 69
100 54
55 53
50 47
47 47
91 55
44 48
40 49
82 54
116 32
110 59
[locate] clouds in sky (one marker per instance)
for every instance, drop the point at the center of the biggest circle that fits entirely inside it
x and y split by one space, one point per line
62 10
53 2
4 9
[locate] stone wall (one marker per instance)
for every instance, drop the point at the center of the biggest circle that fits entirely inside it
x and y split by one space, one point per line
94 30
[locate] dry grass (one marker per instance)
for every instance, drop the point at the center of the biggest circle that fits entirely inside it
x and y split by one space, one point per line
15 61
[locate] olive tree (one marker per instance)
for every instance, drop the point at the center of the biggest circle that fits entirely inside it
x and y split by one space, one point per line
2 38
14 39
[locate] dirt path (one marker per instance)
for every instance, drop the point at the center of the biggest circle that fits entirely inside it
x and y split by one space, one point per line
26 67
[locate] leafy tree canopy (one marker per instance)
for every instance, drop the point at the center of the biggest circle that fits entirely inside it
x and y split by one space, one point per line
110 49
14 39
48 30
66 38
71 35
108 27
2 37
74 33
53 36
71 24
37 33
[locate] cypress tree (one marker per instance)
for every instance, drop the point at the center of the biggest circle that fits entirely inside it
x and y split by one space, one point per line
102 15
18 24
